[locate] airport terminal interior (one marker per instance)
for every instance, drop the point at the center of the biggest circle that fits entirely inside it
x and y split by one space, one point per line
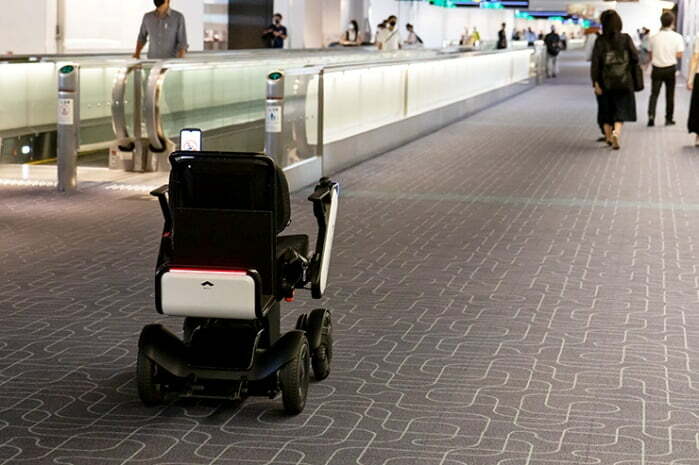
503 285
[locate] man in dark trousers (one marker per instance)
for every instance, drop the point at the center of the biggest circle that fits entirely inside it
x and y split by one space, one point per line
165 32
666 47
276 34
502 38
553 48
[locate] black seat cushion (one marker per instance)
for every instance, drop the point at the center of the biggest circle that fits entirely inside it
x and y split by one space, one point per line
298 242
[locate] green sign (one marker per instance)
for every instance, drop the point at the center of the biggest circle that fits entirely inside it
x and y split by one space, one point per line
67 69
275 76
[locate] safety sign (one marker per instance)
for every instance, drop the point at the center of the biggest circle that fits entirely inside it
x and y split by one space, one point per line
273 120
65 111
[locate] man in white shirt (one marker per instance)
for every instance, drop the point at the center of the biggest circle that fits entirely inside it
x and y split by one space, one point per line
666 47
391 37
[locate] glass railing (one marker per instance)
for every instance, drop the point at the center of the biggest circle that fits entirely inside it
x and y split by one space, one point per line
229 96
357 99
222 93
230 92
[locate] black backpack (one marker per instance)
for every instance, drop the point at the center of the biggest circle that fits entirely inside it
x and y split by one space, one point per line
615 72
553 45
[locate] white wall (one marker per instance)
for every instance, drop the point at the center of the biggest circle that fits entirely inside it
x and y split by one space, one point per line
645 13
112 26
28 27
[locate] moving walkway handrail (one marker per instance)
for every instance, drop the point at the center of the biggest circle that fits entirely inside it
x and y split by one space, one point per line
121 131
154 125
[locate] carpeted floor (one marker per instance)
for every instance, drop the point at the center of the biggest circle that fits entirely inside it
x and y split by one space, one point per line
505 291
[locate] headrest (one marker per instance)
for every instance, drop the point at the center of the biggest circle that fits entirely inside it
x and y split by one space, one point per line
230 181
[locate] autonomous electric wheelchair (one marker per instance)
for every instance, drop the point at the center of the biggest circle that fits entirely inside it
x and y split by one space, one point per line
225 268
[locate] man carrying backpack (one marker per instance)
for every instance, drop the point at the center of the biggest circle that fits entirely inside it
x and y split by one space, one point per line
553 48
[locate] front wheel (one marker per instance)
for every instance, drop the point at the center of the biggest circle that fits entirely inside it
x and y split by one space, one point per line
147 372
294 380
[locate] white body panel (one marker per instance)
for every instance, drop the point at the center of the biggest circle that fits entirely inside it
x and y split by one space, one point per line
329 238
208 294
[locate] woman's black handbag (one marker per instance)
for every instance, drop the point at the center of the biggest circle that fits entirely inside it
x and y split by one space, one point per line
637 74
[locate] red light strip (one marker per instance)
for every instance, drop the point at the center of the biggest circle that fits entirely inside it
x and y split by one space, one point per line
205 271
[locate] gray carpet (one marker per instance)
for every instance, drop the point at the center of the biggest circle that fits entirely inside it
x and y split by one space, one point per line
505 291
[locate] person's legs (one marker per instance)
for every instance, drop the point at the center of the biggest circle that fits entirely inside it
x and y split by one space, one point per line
616 135
549 64
600 119
655 91
670 95
608 132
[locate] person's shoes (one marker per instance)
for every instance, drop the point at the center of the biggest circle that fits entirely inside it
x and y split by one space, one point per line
669 122
615 141
651 122
601 139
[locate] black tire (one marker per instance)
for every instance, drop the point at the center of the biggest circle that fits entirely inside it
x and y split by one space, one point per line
294 380
323 355
149 389
302 322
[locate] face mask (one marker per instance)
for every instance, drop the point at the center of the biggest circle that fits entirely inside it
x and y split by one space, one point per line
158 3
277 21
392 23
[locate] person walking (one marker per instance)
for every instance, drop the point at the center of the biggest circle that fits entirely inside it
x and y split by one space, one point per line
530 36
391 40
502 38
380 34
165 32
553 48
475 37
413 40
352 36
644 52
693 85
591 36
276 33
613 59
666 47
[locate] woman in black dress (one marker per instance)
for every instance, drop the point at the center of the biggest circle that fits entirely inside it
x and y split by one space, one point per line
693 84
613 59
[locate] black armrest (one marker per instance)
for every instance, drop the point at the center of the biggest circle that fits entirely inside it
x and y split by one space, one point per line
161 194
323 195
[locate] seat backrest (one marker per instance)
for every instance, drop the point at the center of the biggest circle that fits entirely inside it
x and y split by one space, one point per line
227 209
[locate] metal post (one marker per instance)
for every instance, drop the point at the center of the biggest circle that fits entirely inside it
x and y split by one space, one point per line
274 113
139 154
68 127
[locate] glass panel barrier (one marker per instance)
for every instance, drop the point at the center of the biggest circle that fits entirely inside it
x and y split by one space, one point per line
381 94
300 116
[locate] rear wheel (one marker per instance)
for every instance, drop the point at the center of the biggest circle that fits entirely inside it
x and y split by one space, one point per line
323 355
147 373
294 380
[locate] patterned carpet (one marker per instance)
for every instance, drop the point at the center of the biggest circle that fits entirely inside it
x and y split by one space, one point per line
505 291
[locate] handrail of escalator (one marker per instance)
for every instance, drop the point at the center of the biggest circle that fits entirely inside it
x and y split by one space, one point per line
154 125
121 131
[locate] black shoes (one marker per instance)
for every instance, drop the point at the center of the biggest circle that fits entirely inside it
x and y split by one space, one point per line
668 122
601 139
